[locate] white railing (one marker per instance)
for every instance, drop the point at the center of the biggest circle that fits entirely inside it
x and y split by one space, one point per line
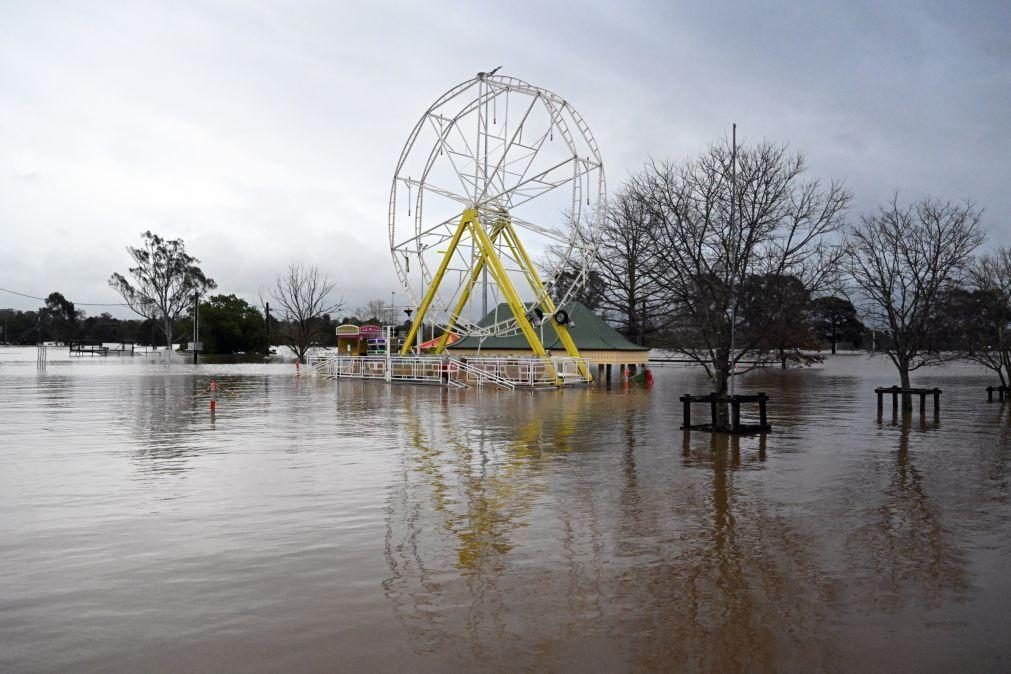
507 373
471 373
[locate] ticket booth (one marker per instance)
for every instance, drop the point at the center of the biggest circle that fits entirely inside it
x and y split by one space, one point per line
353 340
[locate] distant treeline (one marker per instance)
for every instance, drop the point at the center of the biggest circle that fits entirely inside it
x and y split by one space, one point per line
228 325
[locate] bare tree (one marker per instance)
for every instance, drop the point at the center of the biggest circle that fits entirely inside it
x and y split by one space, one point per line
626 253
616 283
375 310
988 342
164 281
902 259
705 263
303 295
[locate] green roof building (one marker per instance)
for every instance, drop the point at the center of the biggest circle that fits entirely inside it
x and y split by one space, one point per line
597 341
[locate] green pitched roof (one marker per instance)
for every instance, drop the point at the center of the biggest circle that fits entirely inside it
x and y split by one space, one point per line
588 330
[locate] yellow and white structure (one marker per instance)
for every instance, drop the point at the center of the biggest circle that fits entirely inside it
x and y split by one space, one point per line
496 201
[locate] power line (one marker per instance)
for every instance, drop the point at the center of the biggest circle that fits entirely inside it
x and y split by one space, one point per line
76 304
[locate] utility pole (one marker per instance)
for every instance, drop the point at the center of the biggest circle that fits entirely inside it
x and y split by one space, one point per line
267 350
733 265
196 330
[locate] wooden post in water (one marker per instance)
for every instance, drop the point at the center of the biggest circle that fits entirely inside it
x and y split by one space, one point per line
712 409
762 417
735 414
688 412
937 402
881 401
608 373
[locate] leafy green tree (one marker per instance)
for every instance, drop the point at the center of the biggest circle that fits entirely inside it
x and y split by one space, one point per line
790 334
229 324
164 281
835 320
59 318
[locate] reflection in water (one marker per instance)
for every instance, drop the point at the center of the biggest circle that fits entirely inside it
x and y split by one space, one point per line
469 492
725 578
317 525
702 577
914 557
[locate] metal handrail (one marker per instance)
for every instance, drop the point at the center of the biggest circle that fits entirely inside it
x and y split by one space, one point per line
482 375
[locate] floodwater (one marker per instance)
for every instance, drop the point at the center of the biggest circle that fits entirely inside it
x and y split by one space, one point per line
311 525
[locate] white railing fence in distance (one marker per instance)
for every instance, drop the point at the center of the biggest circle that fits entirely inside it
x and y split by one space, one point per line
506 373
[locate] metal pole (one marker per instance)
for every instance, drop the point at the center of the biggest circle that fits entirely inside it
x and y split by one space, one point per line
389 354
733 266
196 318
421 331
267 351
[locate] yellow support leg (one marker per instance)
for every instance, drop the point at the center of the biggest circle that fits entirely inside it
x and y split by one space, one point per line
505 285
465 295
469 216
547 304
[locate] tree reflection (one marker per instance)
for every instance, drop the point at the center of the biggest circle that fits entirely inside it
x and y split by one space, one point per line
494 556
910 551
730 586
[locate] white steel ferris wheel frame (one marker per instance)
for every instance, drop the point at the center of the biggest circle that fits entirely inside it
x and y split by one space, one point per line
486 199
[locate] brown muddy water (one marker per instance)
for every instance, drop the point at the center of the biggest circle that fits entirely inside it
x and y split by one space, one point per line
312 525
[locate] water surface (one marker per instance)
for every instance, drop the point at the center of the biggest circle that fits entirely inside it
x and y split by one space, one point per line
347 526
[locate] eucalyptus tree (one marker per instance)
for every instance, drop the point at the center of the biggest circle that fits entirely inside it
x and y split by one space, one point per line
718 223
164 281
903 259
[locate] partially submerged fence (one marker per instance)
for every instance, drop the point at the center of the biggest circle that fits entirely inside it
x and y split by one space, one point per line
504 373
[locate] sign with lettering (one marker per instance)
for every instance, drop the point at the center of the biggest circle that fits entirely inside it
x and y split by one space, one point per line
347 331
370 331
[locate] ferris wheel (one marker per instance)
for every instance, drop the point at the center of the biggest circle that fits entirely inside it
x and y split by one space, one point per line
495 209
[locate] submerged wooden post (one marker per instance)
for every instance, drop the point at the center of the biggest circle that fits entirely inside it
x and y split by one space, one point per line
735 414
762 418
923 403
937 401
881 401
895 400
989 394
688 411
712 409
608 373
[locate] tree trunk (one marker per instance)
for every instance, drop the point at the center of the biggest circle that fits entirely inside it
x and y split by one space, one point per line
167 329
833 346
907 399
720 387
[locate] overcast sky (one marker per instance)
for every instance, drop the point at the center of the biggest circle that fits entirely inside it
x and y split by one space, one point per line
265 132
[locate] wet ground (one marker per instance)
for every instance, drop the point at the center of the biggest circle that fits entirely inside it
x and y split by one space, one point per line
348 526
